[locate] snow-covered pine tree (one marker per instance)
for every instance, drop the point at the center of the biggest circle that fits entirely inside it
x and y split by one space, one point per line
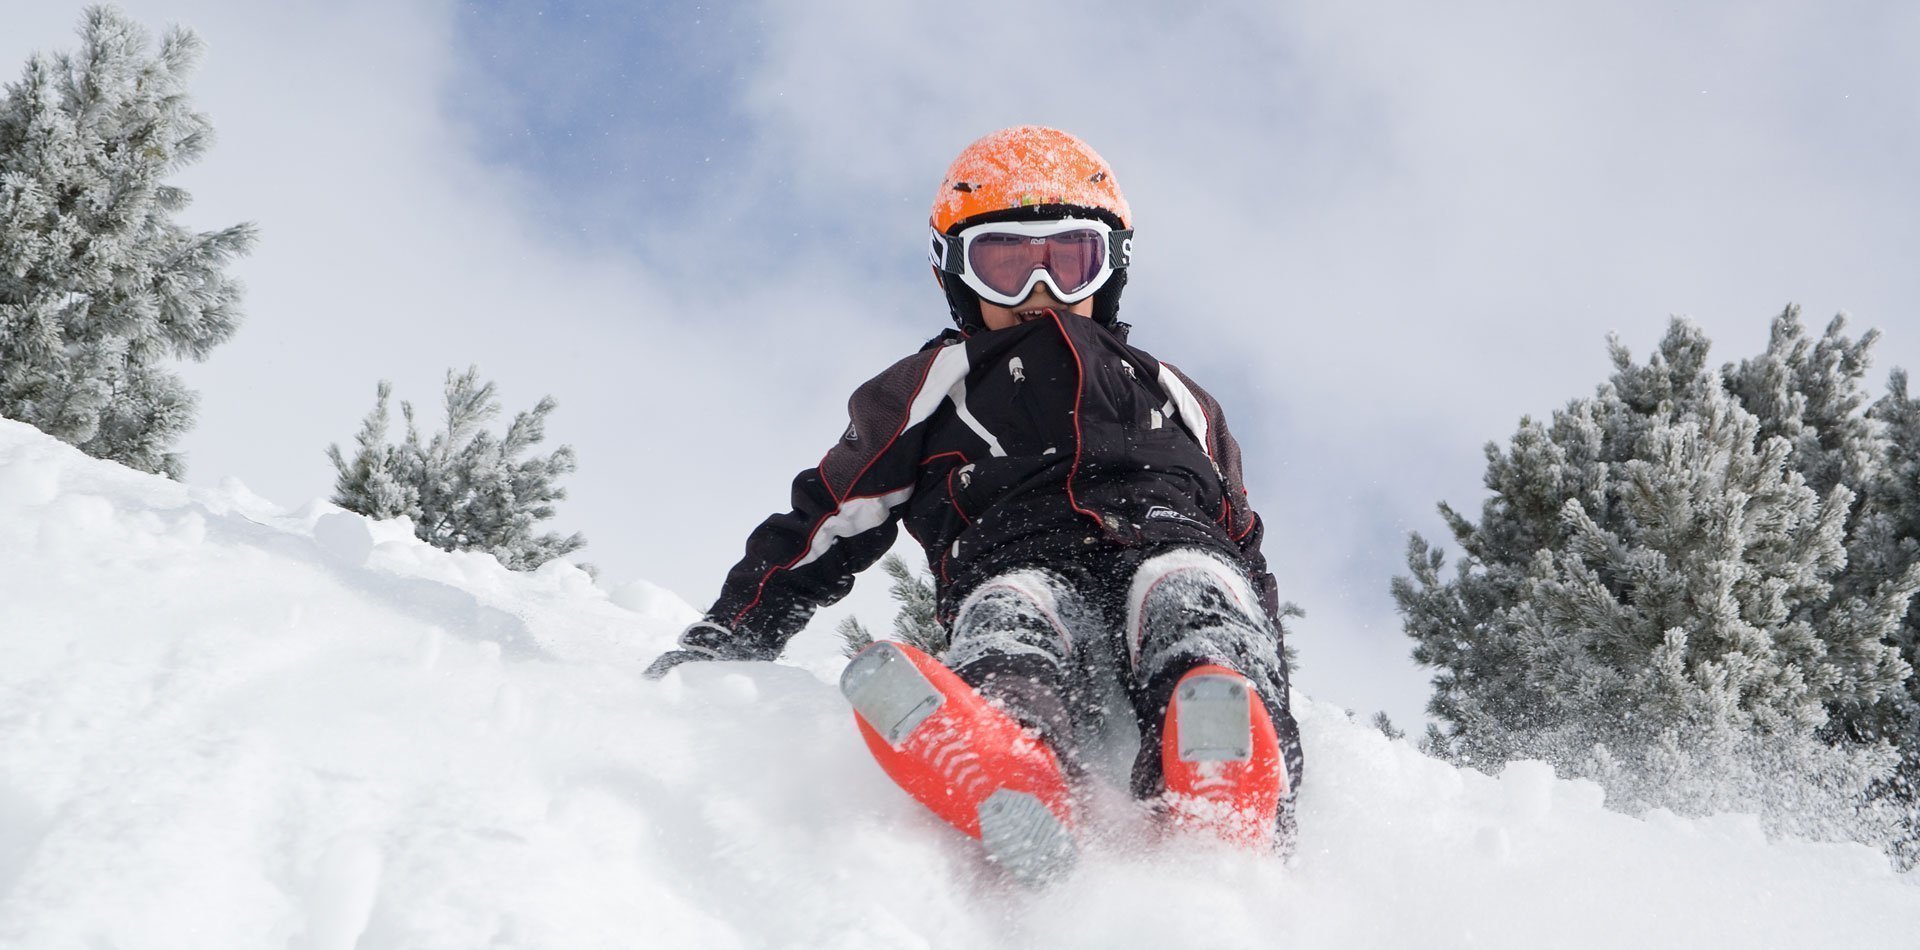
854 636
1649 600
99 284
1887 545
464 489
1813 393
914 624
1384 723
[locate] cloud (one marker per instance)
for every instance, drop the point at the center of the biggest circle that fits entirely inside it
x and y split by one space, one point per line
1379 232
389 251
1383 232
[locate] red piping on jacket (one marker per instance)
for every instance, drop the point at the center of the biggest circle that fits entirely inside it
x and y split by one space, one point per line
955 502
1079 440
925 371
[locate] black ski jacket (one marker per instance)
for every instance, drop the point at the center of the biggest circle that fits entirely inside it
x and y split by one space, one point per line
1033 446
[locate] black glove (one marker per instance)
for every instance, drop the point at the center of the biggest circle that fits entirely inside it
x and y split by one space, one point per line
705 640
673 658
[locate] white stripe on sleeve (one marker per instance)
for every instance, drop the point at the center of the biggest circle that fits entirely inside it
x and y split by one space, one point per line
1189 411
859 515
854 516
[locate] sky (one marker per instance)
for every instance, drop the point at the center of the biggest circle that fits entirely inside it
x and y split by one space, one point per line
1379 233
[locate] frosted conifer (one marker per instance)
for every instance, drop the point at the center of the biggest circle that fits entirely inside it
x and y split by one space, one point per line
99 284
1812 393
915 623
1887 545
1890 546
1649 599
465 488
854 636
1384 723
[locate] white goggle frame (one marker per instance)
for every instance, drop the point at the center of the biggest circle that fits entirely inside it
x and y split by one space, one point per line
949 256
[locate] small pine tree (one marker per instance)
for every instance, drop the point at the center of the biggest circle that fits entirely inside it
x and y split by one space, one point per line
854 637
465 488
1650 600
99 283
915 624
1384 723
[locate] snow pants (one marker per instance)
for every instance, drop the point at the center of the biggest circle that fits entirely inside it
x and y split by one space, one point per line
1039 641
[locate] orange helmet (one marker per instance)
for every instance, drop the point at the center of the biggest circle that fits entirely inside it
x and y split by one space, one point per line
1024 166
1028 171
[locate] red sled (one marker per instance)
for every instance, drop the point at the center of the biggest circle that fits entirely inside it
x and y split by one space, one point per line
969 761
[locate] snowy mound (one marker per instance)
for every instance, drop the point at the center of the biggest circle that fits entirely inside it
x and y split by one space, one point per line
226 725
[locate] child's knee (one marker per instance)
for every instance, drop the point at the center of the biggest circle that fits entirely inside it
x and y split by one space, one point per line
1013 641
1189 606
1024 613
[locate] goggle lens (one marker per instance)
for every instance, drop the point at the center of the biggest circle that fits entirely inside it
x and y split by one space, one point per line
1004 260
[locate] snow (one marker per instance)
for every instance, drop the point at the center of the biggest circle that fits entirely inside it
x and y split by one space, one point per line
227 724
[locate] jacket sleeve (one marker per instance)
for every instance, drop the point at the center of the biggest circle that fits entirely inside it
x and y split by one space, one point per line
1237 516
845 516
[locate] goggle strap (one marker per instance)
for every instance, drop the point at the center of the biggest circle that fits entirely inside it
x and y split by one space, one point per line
954 253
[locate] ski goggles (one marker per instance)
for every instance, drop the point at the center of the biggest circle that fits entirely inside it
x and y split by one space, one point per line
1003 261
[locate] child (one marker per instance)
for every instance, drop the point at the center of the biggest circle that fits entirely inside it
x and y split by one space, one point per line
1080 503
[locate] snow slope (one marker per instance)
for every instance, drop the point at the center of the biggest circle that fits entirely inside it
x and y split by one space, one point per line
227 725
